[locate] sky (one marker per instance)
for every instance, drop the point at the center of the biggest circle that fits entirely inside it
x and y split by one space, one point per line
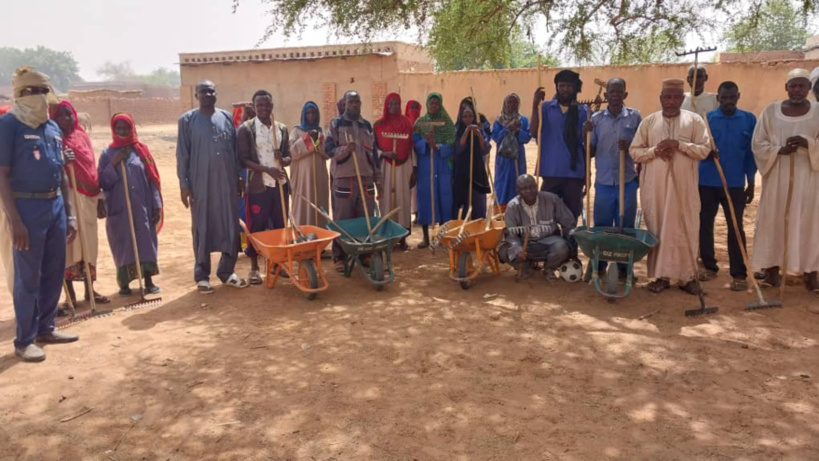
151 33
148 33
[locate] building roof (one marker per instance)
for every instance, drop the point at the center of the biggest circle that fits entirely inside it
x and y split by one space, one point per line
295 53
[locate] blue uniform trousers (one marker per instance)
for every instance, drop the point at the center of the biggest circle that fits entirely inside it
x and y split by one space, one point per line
39 271
607 209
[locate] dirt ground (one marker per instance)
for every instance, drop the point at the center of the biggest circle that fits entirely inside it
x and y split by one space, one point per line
423 370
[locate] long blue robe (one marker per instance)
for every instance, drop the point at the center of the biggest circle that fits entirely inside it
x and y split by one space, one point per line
144 199
505 172
442 182
208 166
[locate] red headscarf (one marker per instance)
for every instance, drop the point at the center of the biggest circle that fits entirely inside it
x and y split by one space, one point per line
413 110
395 124
4 109
85 164
142 151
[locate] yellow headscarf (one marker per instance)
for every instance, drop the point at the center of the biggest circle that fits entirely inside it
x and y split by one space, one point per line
31 110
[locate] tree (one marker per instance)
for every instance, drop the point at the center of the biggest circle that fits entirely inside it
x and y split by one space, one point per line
124 72
775 25
117 71
59 65
582 31
163 76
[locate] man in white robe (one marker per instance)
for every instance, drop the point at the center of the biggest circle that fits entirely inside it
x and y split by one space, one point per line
785 143
672 141
706 102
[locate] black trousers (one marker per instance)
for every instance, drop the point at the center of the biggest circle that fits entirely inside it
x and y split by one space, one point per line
711 198
570 190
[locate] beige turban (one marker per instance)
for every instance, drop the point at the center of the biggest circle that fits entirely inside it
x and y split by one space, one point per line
798 73
26 77
673 84
814 77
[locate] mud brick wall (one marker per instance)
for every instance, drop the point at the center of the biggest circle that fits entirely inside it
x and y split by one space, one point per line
146 111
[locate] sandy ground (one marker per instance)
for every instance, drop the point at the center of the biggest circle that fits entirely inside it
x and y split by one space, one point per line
422 370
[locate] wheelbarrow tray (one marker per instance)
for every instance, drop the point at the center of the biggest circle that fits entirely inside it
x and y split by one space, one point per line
611 244
477 238
384 239
274 247
475 232
614 245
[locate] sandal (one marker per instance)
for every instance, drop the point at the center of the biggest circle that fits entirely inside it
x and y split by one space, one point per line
692 288
739 285
760 275
254 277
771 280
236 282
658 286
339 265
707 275
125 291
151 289
204 287
423 245
100 299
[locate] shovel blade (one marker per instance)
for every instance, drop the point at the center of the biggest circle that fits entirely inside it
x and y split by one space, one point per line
701 311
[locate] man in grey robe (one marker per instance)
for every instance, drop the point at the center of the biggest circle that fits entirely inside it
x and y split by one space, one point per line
546 219
209 177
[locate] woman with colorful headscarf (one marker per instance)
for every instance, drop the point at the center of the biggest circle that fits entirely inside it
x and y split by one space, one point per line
393 133
434 141
87 192
413 112
309 176
145 194
471 147
510 163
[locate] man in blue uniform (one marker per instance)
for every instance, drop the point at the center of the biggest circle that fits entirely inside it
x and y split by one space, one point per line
732 129
558 124
34 195
612 130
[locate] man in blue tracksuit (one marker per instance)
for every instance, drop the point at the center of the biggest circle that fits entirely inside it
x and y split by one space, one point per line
732 130
34 194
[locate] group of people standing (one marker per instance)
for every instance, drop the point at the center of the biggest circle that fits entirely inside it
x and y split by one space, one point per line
428 164
53 192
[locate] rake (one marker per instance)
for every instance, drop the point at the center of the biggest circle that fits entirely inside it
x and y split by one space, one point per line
143 301
703 309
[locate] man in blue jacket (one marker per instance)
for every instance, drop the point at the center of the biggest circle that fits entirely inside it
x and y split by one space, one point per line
732 130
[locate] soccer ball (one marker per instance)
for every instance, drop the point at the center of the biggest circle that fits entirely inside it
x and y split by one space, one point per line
571 271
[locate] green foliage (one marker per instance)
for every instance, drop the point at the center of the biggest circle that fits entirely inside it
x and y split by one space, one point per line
482 33
771 25
124 72
59 65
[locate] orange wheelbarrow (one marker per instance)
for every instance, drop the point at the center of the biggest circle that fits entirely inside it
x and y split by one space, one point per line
301 259
472 249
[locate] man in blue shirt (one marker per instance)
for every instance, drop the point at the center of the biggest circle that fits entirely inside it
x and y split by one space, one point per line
562 158
34 194
732 130
611 132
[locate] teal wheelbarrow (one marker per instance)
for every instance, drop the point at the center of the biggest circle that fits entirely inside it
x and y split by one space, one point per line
379 248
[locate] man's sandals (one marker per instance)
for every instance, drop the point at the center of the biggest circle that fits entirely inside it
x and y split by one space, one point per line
658 286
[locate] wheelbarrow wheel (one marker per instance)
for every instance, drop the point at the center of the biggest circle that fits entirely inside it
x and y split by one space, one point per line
464 269
377 270
612 276
309 275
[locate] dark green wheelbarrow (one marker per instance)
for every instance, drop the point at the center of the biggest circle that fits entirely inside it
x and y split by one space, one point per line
614 245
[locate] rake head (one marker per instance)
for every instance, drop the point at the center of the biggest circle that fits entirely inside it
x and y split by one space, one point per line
762 305
701 311
143 303
82 317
